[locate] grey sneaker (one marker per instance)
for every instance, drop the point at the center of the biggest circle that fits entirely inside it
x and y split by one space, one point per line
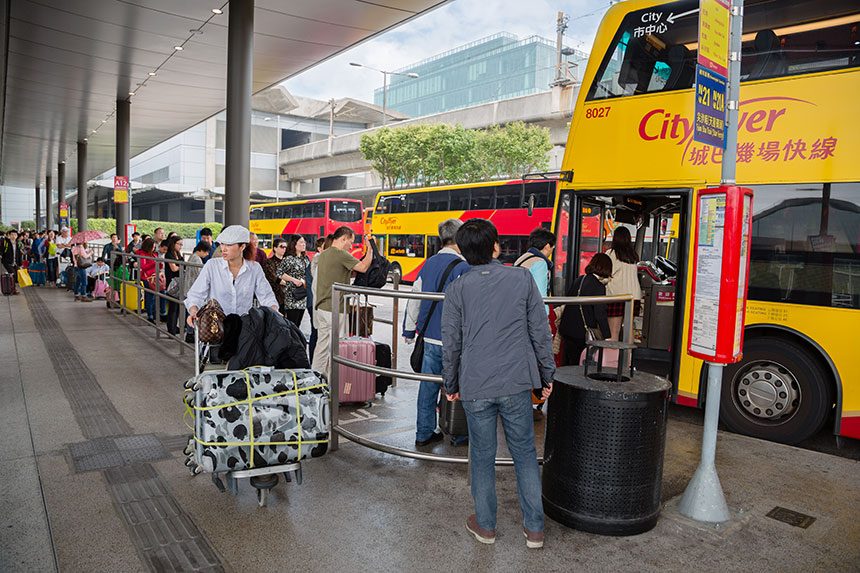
483 535
534 539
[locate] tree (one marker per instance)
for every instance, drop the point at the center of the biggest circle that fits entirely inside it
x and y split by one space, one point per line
432 154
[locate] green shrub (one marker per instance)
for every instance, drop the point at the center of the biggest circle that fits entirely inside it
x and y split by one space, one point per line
144 227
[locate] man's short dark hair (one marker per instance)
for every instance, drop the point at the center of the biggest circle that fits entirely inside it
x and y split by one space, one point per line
205 232
343 231
477 240
112 235
202 246
157 229
540 237
135 234
100 260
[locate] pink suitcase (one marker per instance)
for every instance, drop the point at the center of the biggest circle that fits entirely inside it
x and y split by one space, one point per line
357 385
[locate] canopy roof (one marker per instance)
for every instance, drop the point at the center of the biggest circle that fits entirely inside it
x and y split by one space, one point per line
68 61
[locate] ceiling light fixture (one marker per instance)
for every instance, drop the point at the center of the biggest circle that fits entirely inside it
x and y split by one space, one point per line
131 93
217 11
152 74
177 48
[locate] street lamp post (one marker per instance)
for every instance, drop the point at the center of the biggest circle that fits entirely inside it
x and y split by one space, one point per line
385 75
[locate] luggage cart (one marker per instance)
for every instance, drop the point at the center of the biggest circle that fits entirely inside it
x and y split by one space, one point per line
261 479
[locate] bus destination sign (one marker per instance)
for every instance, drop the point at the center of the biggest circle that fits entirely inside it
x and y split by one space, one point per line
709 125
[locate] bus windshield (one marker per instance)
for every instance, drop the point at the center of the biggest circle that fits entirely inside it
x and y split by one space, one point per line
655 51
345 211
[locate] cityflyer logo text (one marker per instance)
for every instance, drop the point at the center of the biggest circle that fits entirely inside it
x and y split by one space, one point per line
661 125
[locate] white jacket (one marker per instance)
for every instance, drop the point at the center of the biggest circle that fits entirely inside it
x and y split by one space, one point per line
625 279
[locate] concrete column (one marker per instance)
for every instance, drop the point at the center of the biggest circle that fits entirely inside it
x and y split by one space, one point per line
209 210
123 120
38 215
82 186
49 202
240 67
61 186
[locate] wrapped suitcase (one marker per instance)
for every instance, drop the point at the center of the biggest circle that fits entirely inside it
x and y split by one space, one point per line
38 271
356 385
288 411
452 417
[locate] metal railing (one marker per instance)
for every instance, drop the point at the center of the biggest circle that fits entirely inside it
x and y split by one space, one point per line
340 292
130 263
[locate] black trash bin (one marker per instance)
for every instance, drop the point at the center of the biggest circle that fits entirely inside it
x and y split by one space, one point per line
603 455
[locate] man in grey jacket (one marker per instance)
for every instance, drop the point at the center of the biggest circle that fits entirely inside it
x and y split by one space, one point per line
496 349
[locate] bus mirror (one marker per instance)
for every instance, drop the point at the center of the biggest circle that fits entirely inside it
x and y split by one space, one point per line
531 204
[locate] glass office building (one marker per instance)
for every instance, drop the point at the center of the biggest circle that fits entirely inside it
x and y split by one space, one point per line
493 68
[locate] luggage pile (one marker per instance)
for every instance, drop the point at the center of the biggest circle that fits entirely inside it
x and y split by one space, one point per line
256 418
254 423
358 386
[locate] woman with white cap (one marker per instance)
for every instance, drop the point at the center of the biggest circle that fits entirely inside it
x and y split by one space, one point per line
233 280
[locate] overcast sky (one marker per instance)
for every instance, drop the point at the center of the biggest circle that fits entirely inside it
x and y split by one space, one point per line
455 24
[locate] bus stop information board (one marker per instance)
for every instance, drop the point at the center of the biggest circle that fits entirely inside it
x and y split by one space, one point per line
120 189
720 268
709 125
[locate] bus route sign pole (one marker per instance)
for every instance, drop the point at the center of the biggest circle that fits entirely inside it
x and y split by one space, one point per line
703 500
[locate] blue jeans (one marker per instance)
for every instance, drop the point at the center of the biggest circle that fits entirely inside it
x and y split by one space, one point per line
428 393
516 413
149 303
81 282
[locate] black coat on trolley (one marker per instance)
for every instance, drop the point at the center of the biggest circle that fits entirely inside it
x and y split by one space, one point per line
263 338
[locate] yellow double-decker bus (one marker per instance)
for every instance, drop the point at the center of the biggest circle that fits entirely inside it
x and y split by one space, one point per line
634 160
406 222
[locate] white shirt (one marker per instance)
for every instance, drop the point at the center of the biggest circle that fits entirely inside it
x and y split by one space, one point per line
234 295
98 269
62 241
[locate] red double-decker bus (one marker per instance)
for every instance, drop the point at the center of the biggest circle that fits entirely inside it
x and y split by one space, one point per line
310 218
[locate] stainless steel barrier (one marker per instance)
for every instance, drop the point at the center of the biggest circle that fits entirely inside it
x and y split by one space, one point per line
339 294
129 261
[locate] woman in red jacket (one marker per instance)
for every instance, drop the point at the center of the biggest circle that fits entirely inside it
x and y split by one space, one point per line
147 273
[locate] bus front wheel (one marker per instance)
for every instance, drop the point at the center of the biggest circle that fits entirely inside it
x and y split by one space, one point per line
778 392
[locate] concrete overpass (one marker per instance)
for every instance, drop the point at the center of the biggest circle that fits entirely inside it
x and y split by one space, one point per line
340 155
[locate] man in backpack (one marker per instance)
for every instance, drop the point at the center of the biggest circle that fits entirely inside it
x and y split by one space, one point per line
447 264
334 266
536 259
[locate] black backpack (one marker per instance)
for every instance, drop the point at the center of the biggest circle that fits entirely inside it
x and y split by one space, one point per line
377 275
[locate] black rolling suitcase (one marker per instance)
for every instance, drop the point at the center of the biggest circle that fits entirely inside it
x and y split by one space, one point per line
452 417
383 360
7 284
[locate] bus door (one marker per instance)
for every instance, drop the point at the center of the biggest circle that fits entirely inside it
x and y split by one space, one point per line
657 325
581 235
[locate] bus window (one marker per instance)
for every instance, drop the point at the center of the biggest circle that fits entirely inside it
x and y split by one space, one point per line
544 194
509 196
482 198
344 211
406 246
437 201
805 246
512 247
257 213
460 199
434 245
417 202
